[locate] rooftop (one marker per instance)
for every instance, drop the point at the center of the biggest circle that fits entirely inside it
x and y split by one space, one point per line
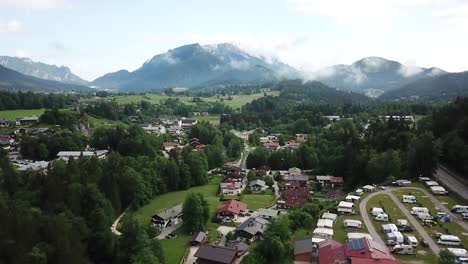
216 254
233 206
171 212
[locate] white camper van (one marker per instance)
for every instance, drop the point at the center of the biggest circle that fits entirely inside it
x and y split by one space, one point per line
403 250
411 240
425 216
376 211
449 240
459 209
382 217
418 210
409 199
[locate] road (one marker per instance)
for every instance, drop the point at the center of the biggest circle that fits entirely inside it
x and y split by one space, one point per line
376 235
116 223
452 181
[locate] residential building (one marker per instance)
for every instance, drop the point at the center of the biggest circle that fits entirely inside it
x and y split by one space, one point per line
169 217
268 214
28 120
330 181
240 246
271 146
257 185
209 254
187 123
303 250
231 209
66 155
296 181
168 146
231 188
4 122
251 229
293 197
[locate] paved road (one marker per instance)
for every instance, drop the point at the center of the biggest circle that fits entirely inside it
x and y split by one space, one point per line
168 230
452 181
116 223
375 234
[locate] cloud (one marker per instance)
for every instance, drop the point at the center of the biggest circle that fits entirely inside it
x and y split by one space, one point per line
57 46
409 70
12 26
456 15
369 12
36 4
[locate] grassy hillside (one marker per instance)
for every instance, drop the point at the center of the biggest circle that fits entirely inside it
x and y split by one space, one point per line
13 114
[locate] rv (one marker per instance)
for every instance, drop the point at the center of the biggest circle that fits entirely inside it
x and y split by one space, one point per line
431 183
359 192
325 223
424 179
403 250
321 234
376 211
458 252
425 216
449 240
438 190
460 209
411 240
345 208
382 217
389 228
397 237
409 199
350 223
418 210
354 236
402 222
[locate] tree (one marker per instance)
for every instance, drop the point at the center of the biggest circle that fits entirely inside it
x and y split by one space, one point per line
446 257
195 212
384 165
422 156
299 219
275 247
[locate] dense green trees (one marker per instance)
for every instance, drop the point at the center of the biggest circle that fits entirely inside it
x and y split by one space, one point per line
30 100
196 212
46 147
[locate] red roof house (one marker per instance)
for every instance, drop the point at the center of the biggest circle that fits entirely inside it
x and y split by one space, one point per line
331 251
231 208
271 145
294 197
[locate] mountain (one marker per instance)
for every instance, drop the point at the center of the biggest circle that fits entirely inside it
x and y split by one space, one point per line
11 80
373 75
196 65
438 88
41 70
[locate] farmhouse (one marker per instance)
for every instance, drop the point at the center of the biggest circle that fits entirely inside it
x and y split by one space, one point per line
293 197
231 208
251 229
271 146
169 217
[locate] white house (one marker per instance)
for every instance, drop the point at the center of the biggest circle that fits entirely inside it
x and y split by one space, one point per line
257 185
169 217
230 188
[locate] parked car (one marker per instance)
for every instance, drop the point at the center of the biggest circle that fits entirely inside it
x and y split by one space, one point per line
406 229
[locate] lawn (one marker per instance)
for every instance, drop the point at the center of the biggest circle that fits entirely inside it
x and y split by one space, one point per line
212 119
395 213
13 114
256 201
424 201
174 249
161 202
102 122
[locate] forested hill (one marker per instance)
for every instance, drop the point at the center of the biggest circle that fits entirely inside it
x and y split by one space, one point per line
318 93
440 88
11 80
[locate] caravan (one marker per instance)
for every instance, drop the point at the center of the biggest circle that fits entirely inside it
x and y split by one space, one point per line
412 240
403 250
419 210
425 216
409 199
382 217
352 224
459 209
376 211
449 240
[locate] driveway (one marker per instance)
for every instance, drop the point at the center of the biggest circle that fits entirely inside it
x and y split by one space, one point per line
191 258
452 181
168 230
116 223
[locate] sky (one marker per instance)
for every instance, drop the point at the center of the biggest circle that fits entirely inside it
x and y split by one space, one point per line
95 37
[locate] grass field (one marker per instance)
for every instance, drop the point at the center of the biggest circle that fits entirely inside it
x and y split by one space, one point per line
13 114
395 213
212 119
102 122
256 201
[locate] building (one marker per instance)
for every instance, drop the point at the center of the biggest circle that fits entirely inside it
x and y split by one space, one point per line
240 246
231 188
268 214
330 252
28 120
231 208
330 181
251 229
66 155
330 216
6 141
345 208
187 123
157 130
325 223
169 217
293 197
168 146
4 122
271 146
303 250
369 188
296 181
36 165
257 185
438 190
198 238
293 144
209 254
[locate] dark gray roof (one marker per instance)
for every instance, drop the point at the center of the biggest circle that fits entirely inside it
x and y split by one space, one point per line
217 254
170 212
198 237
302 246
240 246
253 225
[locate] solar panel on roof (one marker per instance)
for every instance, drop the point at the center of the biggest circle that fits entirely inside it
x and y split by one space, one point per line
357 244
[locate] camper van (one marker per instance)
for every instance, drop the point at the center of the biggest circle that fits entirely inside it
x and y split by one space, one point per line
449 240
350 224
411 240
376 211
409 199
458 252
396 237
382 217
403 250
418 210
459 209
425 216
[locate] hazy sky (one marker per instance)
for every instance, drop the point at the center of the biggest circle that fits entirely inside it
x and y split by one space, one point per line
94 37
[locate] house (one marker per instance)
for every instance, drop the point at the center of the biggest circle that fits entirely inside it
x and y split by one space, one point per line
251 229
303 250
330 181
257 185
293 197
169 217
36 165
231 208
369 188
6 141
39 130
157 130
296 181
356 251
268 214
209 254
262 171
168 146
345 207
333 118
230 188
4 122
66 155
240 246
293 144
198 238
335 194
187 123
271 146
28 120
294 170
269 138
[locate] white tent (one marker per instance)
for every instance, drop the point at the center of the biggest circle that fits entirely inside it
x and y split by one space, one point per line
325 223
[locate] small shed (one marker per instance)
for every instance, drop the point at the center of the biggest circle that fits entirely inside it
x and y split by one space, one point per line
369 188
198 238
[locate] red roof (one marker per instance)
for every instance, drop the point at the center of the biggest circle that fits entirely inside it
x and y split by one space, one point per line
271 145
370 250
296 196
169 144
334 179
232 206
331 252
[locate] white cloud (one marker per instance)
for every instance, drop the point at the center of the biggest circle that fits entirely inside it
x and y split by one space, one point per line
369 12
409 70
12 26
456 15
36 4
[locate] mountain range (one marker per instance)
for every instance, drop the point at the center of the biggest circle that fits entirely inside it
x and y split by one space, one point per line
11 80
196 65
41 70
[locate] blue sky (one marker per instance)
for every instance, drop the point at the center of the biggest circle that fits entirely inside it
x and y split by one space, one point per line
94 37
